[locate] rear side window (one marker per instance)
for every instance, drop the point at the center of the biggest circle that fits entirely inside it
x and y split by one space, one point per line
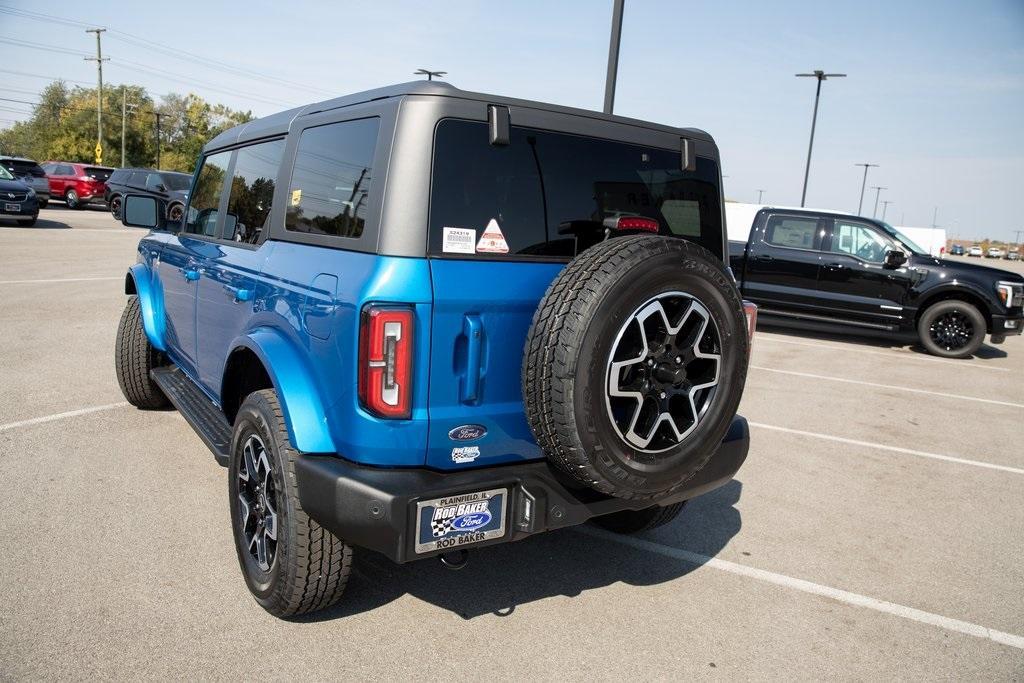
176 181
201 218
138 178
792 232
65 169
331 179
546 191
155 183
252 191
118 176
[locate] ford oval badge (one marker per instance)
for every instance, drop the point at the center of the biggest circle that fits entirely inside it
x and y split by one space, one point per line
467 432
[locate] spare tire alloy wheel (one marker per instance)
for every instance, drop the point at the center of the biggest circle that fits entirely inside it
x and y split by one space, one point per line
663 372
635 365
257 501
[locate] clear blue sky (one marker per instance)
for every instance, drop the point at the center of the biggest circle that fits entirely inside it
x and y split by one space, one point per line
935 92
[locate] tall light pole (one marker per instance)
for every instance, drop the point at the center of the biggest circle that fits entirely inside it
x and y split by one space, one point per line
760 193
429 74
863 184
885 207
124 115
821 76
935 218
613 56
878 192
99 59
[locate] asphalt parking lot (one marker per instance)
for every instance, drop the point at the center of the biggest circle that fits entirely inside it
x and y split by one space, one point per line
876 529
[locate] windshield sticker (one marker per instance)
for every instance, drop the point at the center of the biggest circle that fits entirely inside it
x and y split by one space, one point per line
492 241
296 197
458 241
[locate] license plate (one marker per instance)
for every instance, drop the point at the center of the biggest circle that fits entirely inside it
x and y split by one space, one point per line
12 207
460 520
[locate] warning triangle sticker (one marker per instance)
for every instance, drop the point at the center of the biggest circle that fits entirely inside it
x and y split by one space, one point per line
492 241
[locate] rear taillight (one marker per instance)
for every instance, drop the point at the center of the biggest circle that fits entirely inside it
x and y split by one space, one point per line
633 223
750 311
385 361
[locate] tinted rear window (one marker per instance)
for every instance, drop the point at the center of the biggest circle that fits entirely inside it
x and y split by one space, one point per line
118 176
175 181
98 173
21 167
544 190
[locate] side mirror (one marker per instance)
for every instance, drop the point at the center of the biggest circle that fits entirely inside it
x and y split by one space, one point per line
139 211
895 259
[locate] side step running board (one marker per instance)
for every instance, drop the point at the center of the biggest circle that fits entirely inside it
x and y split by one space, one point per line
826 319
197 409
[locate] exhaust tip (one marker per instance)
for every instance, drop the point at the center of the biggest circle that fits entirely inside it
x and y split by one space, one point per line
455 560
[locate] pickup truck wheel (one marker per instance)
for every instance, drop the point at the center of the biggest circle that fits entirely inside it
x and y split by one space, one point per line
951 329
635 364
134 357
635 521
291 564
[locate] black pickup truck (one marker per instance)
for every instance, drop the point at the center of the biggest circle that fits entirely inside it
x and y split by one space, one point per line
829 270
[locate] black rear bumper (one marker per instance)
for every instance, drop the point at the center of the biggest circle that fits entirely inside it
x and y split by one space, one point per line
375 508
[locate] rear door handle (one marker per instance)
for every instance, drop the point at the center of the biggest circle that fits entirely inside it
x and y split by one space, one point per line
835 266
473 329
764 257
238 293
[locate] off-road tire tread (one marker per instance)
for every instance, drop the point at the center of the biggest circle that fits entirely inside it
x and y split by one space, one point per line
636 521
555 335
319 563
134 357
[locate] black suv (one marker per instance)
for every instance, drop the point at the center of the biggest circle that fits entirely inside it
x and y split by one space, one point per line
169 186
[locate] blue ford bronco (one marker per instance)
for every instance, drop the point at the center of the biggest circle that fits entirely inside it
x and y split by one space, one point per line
417 320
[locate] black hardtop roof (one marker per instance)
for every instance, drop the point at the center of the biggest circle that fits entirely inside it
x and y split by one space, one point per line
278 124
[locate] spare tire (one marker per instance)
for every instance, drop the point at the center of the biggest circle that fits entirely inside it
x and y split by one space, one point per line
635 364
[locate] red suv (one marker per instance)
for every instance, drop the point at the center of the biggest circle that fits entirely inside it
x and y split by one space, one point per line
77 184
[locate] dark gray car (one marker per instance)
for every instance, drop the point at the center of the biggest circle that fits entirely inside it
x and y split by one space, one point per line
169 186
31 173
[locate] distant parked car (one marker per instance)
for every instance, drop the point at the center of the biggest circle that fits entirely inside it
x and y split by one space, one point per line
31 173
77 184
994 252
975 251
957 250
1013 255
17 199
170 186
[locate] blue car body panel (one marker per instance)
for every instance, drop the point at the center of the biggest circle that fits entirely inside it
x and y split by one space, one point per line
482 312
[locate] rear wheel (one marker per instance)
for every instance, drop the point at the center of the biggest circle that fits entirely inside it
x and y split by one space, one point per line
291 564
115 206
72 200
134 357
951 329
635 521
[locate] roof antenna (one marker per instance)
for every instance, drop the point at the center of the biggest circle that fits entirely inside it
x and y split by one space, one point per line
429 74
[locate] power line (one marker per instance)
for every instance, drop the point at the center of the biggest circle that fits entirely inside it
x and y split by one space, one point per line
48 78
174 52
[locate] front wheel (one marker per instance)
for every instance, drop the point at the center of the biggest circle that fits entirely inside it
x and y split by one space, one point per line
291 564
951 329
134 357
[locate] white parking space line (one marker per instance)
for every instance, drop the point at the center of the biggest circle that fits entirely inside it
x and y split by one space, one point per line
846 597
892 449
889 386
62 279
895 355
61 416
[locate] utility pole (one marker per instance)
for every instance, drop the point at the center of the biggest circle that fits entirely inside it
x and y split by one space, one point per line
885 207
157 115
613 56
760 193
878 191
821 76
1016 237
935 218
863 184
99 59
124 115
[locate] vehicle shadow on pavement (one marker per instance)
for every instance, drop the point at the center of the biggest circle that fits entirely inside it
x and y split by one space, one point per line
41 224
499 578
985 352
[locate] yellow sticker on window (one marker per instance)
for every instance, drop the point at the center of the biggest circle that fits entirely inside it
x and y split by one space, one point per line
296 197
